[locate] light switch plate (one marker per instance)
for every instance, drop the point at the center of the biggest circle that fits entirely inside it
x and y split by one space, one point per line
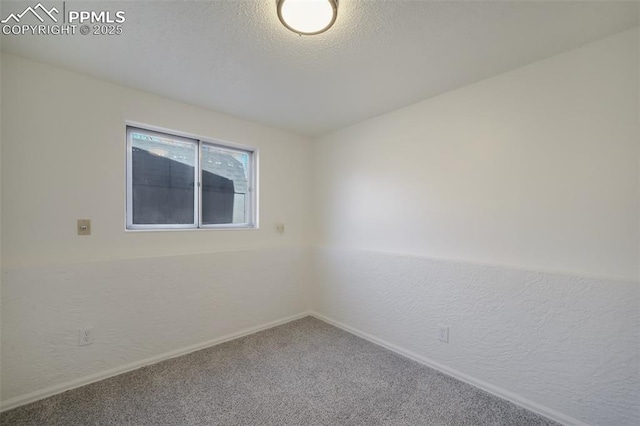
84 227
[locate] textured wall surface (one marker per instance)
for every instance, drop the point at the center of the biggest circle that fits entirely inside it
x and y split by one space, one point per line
139 308
566 342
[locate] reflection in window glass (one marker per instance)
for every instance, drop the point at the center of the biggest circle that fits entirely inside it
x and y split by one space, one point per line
163 176
225 185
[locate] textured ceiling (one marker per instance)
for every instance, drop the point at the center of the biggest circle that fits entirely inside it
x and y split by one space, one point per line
235 56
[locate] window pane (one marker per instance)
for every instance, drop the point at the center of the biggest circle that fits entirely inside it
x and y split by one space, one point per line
162 179
225 185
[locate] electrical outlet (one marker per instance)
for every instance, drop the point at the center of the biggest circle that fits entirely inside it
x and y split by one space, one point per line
85 336
443 334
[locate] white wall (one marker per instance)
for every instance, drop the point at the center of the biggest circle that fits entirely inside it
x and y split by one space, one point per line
533 170
536 168
64 154
146 293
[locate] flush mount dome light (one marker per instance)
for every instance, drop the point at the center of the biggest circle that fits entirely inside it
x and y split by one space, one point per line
308 17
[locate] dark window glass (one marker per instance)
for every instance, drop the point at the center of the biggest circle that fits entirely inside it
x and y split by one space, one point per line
181 182
224 185
163 172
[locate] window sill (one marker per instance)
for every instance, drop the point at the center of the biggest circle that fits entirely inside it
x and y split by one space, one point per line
213 228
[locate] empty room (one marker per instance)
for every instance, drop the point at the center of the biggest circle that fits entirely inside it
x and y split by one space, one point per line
320 212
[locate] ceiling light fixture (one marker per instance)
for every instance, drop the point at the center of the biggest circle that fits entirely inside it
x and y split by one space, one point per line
308 17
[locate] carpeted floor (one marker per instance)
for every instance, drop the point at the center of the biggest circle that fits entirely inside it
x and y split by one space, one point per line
302 373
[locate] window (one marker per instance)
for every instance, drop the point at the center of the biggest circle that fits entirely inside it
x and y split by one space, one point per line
180 182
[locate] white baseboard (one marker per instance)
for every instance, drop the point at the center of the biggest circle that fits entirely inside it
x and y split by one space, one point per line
487 387
495 390
63 387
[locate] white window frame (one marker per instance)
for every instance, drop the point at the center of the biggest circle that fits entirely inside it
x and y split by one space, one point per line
251 206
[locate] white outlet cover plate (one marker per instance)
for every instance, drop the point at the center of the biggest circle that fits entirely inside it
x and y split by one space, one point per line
85 336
